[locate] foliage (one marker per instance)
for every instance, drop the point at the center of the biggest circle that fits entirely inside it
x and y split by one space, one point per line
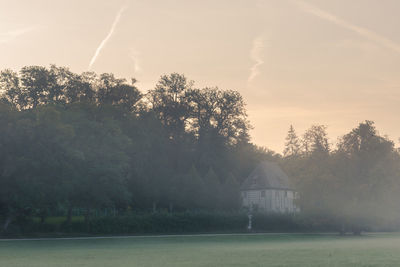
175 222
356 185
86 141
94 141
292 145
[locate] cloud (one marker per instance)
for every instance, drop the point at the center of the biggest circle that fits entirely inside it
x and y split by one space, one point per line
256 56
14 34
107 38
366 33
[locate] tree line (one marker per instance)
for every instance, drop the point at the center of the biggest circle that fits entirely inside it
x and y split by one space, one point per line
356 183
93 141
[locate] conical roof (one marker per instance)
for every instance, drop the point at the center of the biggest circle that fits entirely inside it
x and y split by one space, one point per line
267 175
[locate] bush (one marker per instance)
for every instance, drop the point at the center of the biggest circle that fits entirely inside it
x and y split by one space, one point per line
293 223
177 223
161 223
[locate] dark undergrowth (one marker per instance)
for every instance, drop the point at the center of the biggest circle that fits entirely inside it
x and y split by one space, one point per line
173 223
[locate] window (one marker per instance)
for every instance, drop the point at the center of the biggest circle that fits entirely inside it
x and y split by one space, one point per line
263 193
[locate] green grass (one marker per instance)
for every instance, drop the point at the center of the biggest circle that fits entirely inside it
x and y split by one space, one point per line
237 250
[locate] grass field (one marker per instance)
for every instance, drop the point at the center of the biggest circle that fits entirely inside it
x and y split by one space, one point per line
231 250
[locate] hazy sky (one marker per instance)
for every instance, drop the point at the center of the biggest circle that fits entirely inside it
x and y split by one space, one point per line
295 62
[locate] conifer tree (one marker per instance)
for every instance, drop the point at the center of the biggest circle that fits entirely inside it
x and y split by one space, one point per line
292 145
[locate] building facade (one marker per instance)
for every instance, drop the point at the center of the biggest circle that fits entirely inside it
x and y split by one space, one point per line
268 189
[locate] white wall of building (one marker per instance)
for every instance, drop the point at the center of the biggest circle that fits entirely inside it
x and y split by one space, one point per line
270 200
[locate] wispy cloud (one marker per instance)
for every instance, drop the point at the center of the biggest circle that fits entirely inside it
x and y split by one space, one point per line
256 56
366 33
134 55
107 38
14 34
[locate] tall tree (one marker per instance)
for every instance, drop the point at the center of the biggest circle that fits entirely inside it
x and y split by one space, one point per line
219 112
315 140
117 92
10 90
292 145
37 84
169 102
192 190
230 190
212 190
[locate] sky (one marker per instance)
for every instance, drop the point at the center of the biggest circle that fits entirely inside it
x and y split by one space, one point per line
296 62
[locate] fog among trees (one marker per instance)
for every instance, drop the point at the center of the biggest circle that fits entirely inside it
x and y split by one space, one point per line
92 141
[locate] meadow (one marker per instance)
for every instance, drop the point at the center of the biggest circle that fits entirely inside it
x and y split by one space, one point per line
207 250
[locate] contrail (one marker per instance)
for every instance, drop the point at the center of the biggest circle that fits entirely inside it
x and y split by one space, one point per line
11 35
256 56
347 25
103 43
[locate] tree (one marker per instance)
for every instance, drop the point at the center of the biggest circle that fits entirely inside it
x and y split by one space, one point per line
315 140
85 141
99 160
212 190
292 145
230 193
151 177
169 101
10 89
192 190
219 112
344 186
34 163
70 87
37 84
117 92
231 118
368 173
7 121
